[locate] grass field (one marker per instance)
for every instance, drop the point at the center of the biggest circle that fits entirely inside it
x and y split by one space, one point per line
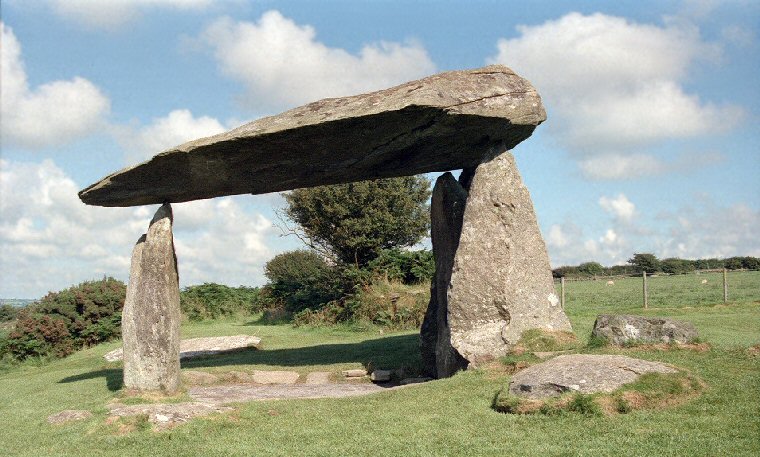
445 417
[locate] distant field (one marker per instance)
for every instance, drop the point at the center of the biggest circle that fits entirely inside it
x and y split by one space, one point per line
449 417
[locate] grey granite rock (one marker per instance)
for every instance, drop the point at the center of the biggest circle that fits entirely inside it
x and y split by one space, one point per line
501 283
620 329
582 373
446 211
151 316
443 122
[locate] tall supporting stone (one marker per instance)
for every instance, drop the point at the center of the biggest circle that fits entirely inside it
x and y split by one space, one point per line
446 209
151 316
493 278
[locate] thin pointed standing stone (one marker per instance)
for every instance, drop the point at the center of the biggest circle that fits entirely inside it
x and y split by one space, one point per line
151 316
439 359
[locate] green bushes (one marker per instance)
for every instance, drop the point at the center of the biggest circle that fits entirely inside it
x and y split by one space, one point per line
409 267
302 279
62 322
7 313
211 301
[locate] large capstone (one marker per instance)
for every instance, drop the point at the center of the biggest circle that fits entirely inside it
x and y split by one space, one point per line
501 283
446 211
151 317
443 122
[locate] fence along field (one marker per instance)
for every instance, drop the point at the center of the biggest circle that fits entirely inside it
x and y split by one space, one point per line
625 293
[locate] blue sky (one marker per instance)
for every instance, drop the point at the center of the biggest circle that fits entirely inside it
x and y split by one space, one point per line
651 142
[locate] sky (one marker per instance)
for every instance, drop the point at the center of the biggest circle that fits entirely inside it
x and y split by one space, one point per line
651 142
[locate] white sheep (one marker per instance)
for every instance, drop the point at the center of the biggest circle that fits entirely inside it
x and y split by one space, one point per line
704 281
610 283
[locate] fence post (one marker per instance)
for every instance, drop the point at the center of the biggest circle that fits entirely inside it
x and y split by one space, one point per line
646 299
725 286
562 294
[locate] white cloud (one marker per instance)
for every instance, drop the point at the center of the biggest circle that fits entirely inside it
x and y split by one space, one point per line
171 130
107 14
282 63
613 87
52 114
49 240
635 165
701 229
620 207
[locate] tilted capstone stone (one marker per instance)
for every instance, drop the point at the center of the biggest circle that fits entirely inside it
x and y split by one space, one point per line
151 316
443 122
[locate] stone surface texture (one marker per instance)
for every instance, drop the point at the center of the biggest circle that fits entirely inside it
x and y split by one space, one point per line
275 377
620 329
167 415
446 211
318 377
443 122
220 395
501 283
151 315
582 373
69 415
201 347
355 373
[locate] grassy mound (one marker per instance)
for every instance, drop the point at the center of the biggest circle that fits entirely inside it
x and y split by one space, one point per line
650 391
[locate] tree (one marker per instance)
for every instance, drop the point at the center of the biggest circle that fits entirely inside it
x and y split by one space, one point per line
645 262
352 223
591 269
676 266
302 279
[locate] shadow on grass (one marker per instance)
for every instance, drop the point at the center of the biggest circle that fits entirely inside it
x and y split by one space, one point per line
114 378
389 352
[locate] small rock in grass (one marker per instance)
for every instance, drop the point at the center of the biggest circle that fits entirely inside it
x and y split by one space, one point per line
381 376
622 329
355 373
69 415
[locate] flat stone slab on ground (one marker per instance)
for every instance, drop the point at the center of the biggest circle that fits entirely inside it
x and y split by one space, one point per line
582 373
275 377
165 415
242 393
355 373
69 415
318 377
200 378
198 347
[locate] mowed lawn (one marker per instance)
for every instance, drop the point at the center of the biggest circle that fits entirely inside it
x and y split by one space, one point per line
445 417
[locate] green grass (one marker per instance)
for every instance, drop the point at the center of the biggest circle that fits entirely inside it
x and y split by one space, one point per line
445 417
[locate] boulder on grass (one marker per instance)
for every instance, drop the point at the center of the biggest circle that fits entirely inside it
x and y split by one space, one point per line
620 329
583 373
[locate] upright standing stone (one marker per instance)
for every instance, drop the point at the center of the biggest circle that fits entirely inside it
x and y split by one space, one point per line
447 208
151 316
501 283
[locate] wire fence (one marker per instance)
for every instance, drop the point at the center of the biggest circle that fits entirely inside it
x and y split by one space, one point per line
698 288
